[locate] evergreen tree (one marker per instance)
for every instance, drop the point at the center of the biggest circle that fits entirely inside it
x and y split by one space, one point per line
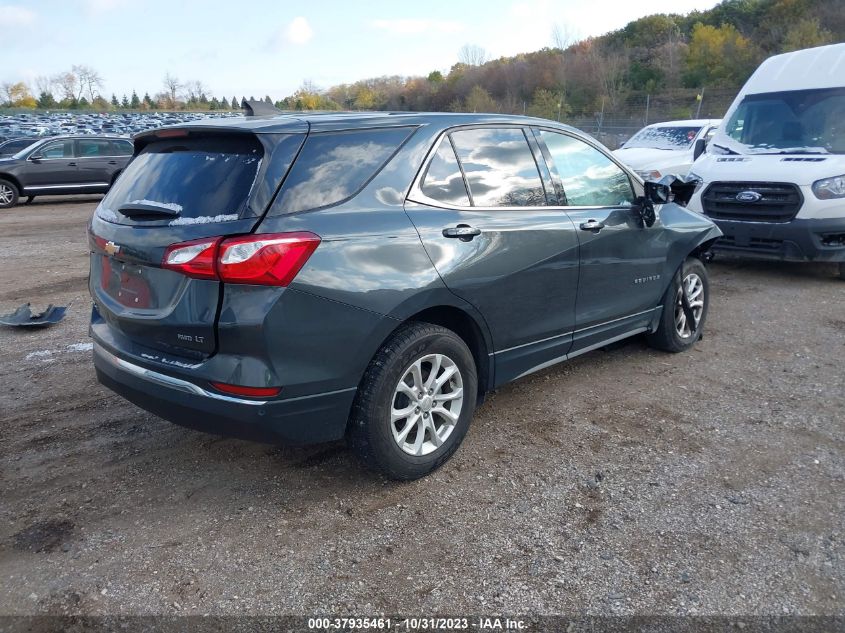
124 103
114 101
214 104
268 100
235 105
135 103
46 100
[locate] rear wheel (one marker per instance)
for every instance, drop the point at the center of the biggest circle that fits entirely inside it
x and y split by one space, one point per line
684 309
415 402
8 194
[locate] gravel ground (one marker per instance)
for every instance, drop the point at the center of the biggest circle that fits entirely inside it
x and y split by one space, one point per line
624 482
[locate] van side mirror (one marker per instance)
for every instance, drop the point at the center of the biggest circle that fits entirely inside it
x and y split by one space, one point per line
699 148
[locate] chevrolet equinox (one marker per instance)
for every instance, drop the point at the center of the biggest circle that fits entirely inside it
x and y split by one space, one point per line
372 275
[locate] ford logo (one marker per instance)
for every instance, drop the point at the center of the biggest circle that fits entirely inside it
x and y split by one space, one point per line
749 196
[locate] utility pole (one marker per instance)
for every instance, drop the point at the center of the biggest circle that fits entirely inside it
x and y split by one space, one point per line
700 100
647 103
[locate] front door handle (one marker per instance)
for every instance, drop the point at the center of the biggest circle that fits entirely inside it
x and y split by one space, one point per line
112 162
463 232
71 164
592 225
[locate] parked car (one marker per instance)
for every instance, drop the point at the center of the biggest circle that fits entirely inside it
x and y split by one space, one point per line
63 165
663 149
774 181
302 279
14 145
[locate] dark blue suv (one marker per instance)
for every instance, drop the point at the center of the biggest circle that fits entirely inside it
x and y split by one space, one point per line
372 275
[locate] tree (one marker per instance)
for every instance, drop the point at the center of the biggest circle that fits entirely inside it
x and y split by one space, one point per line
235 104
135 102
472 55
18 96
806 33
479 100
148 103
268 100
68 83
46 100
88 80
365 99
115 103
435 77
171 85
547 105
718 56
214 104
124 103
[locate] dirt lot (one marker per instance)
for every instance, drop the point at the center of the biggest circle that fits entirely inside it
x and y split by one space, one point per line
627 481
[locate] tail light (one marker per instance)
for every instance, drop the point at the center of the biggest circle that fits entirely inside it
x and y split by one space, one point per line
249 392
270 259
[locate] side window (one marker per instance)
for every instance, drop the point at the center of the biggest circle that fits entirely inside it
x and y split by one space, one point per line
93 148
334 166
121 148
589 178
499 168
443 179
60 149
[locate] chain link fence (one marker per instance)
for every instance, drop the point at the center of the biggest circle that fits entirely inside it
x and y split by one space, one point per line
615 124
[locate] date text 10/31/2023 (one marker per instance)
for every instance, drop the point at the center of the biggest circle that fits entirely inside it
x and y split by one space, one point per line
417 624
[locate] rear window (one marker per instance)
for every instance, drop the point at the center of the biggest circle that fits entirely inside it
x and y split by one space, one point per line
334 166
206 179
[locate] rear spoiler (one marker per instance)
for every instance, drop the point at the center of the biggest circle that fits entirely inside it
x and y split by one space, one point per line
259 108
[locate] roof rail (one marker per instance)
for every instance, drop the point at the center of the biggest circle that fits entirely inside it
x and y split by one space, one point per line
259 108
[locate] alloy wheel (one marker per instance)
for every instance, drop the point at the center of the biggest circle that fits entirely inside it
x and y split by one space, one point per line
426 404
692 288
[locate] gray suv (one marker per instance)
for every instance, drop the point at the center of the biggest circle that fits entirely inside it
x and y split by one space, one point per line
63 165
371 276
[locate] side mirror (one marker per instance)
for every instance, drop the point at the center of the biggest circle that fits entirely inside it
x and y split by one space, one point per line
35 158
657 192
699 148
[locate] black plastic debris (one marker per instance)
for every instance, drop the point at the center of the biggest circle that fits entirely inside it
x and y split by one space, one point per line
23 316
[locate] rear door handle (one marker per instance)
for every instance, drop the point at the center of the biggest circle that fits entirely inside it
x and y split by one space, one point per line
592 225
71 164
462 232
112 162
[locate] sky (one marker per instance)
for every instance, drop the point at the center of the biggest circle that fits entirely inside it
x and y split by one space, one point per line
266 47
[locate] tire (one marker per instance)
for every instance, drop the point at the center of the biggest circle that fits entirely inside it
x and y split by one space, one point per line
375 435
8 194
842 271
676 332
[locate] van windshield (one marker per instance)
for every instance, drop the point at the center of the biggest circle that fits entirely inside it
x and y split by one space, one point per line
795 121
665 137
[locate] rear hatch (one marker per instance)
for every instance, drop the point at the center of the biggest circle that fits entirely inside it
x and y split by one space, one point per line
183 185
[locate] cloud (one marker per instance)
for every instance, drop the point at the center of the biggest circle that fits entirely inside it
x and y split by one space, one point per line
11 15
298 32
411 26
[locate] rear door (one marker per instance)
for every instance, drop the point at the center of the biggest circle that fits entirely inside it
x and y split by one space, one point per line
92 158
621 259
481 209
178 188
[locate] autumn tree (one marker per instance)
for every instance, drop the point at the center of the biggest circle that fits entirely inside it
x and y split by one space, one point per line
718 56
472 55
479 100
806 33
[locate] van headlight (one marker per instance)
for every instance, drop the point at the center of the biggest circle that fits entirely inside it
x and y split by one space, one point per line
830 188
698 180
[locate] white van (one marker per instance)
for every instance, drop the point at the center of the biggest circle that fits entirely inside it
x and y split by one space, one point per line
773 176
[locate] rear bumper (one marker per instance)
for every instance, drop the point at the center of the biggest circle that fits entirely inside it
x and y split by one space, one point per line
304 420
798 240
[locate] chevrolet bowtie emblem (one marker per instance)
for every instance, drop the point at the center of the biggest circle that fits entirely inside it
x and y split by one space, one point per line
111 248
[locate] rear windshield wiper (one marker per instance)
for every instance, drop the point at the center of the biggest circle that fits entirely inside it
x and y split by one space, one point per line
134 209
